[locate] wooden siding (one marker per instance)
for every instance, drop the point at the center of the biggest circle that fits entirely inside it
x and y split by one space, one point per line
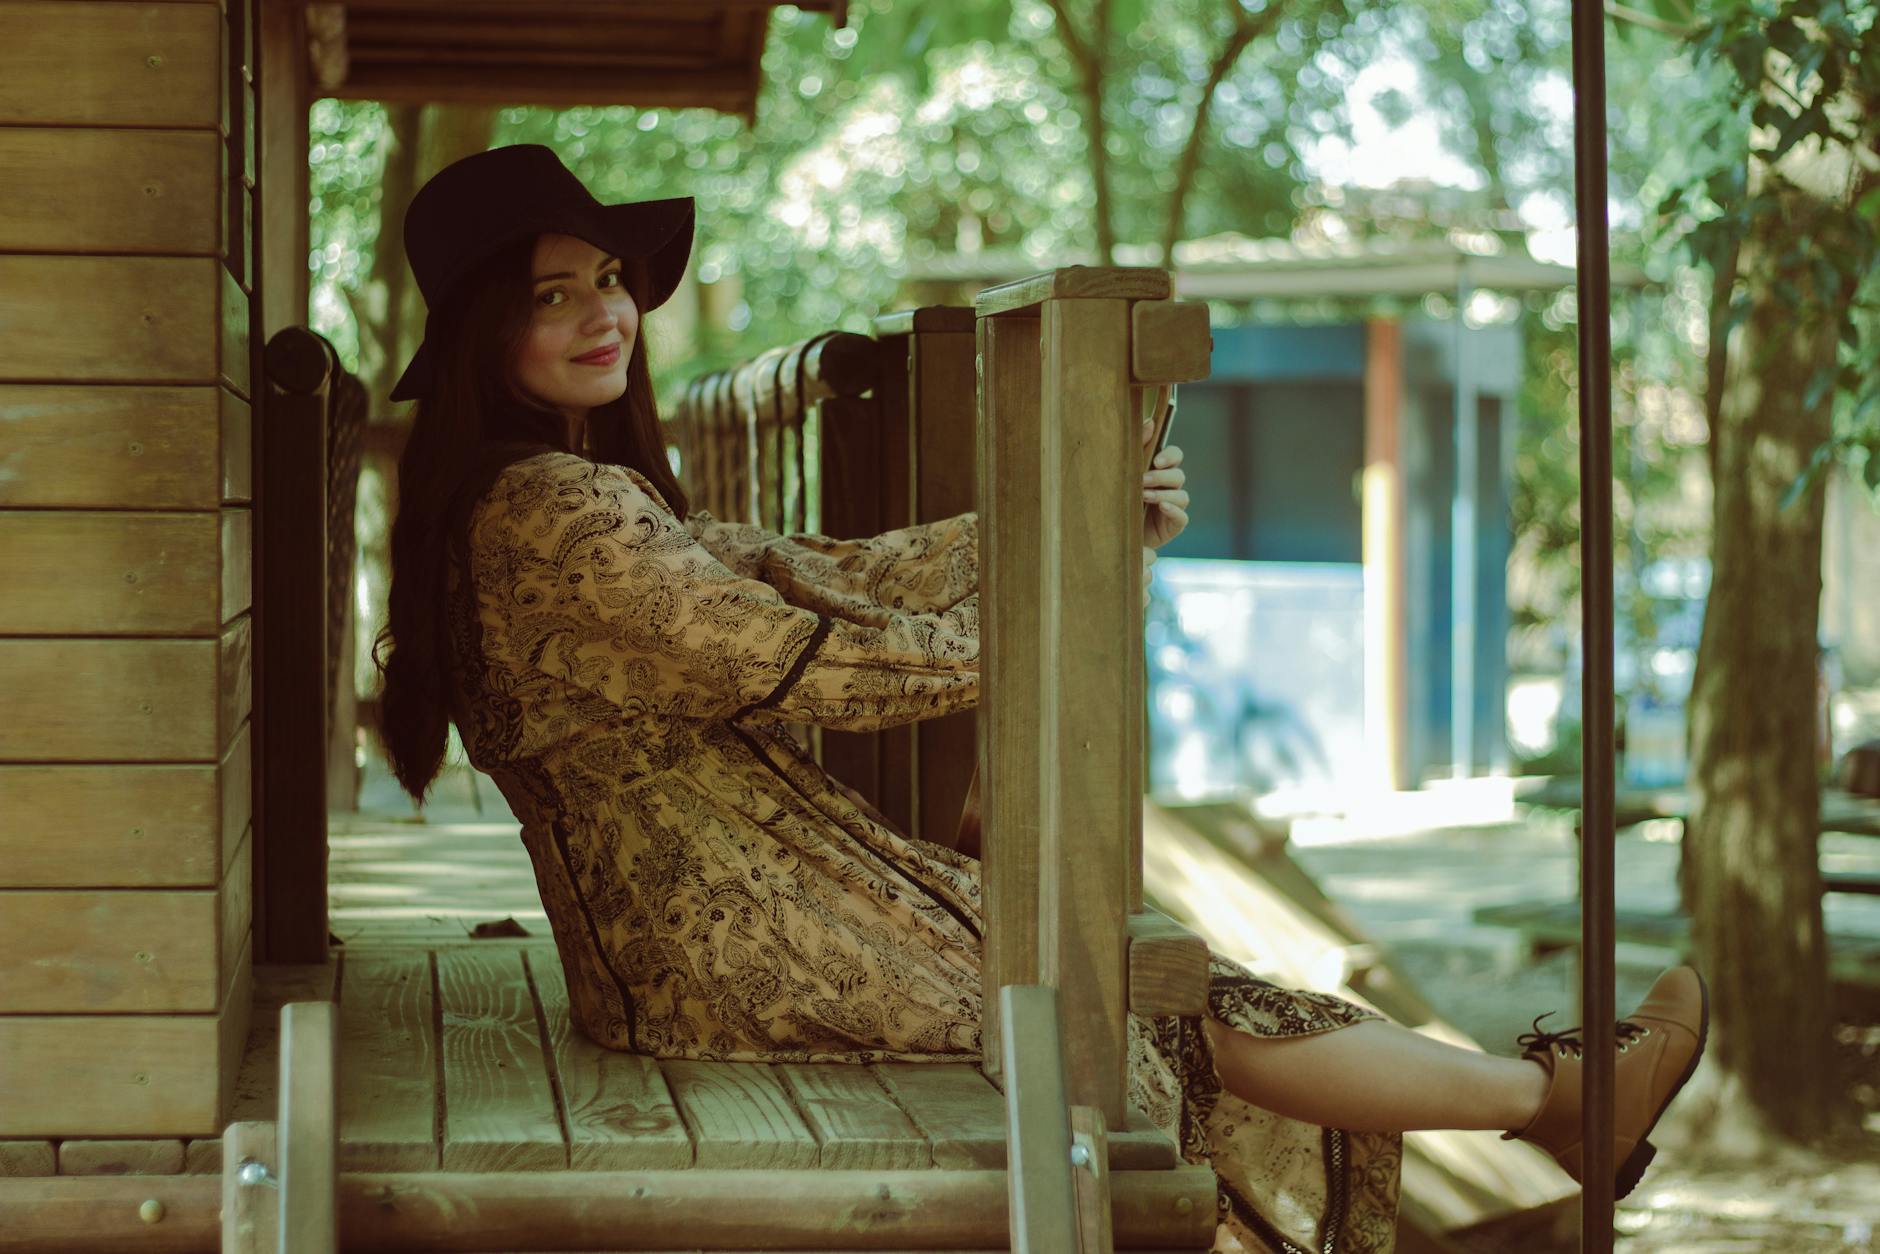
75 190
126 573
109 64
82 447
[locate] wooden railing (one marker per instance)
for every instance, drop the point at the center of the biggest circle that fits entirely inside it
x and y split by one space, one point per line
851 435
308 435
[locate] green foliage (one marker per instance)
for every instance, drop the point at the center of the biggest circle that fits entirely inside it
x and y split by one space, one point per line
1798 81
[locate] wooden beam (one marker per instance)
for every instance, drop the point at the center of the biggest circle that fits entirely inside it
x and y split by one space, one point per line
428 84
1074 283
1090 628
1010 765
1168 967
84 190
672 1210
309 1125
250 1189
1169 341
109 64
1041 1192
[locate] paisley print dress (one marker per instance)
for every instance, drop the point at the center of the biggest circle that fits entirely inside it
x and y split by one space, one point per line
625 677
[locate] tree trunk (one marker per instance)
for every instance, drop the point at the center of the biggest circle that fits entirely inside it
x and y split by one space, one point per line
1754 828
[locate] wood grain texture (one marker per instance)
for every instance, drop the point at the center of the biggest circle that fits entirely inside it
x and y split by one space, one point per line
894 1212
79 572
234 352
86 951
109 64
620 1113
1042 1190
1011 771
255 1093
740 1115
120 700
1092 1180
234 781
28 1158
234 680
141 1075
235 904
309 1124
238 567
116 447
1074 283
108 826
1168 967
499 1110
388 1056
1091 628
80 190
858 1126
108 319
944 468
127 1157
955 1107
250 1210
1169 341
237 420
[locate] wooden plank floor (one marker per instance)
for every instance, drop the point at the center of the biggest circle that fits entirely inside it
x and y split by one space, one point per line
462 1057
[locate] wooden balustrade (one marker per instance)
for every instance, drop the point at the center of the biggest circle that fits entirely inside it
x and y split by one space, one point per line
851 435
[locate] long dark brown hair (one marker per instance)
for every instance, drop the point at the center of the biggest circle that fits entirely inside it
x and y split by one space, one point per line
475 420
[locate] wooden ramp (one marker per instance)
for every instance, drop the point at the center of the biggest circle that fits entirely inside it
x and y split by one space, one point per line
1212 868
462 1058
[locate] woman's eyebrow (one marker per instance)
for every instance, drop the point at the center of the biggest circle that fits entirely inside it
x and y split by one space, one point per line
569 274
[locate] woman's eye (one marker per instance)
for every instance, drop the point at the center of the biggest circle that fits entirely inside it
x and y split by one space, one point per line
614 275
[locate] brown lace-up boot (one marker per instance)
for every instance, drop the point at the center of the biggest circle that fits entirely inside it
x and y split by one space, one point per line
1658 1048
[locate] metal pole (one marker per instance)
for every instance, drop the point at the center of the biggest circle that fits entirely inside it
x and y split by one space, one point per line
1462 543
1596 773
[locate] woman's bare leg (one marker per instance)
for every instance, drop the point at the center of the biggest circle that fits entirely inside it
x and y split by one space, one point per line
1375 1076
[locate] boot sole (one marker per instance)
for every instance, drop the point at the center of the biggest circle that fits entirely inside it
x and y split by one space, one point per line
1642 1153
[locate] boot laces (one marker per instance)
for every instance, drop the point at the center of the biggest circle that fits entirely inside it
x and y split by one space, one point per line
1625 1031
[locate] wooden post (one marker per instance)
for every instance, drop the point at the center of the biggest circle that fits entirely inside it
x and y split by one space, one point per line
309 1128
941 394
1090 629
251 1185
290 692
1061 356
1041 1192
1010 676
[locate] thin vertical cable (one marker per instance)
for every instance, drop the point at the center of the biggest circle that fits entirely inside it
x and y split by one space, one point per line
1596 772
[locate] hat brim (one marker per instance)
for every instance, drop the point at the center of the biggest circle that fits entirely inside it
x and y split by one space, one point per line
659 231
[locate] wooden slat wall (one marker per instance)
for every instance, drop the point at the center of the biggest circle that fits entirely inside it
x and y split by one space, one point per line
126 564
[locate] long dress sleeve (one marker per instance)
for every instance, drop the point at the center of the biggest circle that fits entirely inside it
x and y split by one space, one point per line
610 593
922 569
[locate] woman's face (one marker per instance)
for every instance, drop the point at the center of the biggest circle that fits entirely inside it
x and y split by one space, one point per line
579 304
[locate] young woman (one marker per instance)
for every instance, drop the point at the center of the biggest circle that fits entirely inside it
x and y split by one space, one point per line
621 665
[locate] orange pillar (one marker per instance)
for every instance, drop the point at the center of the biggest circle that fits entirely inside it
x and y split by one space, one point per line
1386 716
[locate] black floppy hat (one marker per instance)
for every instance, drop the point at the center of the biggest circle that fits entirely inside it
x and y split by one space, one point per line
476 205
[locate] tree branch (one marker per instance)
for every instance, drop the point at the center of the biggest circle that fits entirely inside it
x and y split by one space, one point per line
1620 13
1245 32
1089 58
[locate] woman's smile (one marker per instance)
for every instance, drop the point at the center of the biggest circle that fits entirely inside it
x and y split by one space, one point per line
606 356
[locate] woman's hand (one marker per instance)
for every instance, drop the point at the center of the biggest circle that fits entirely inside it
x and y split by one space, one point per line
1165 501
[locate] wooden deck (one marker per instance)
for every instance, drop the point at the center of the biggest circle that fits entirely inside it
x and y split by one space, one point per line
462 1058
395 878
